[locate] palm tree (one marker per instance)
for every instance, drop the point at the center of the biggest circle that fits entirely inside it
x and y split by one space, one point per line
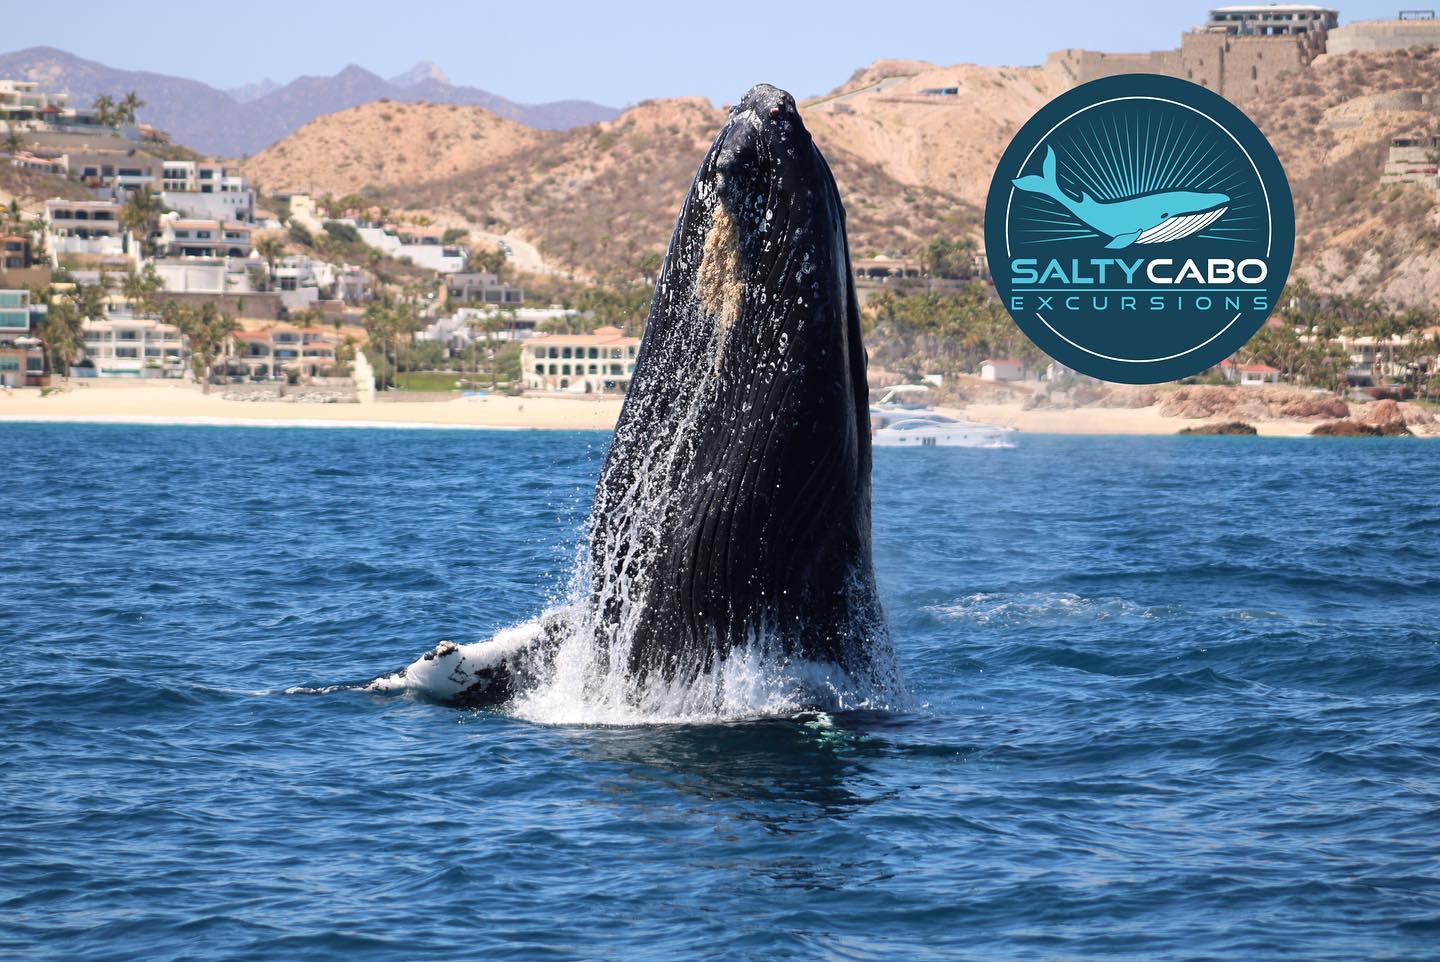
491 262
37 228
337 321
141 287
12 218
272 250
129 105
377 321
141 216
104 108
209 332
492 325
63 334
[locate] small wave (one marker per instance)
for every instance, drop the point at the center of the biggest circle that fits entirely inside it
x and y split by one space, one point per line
1199 681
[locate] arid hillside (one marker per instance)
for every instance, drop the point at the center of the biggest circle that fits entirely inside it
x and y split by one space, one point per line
385 143
1331 126
595 199
946 142
913 147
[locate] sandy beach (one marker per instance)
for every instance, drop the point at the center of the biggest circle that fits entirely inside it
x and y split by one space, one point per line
181 403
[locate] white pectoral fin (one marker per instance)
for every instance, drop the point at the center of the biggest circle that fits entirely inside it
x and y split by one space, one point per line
1122 240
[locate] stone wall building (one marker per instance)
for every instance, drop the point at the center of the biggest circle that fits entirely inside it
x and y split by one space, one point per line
1421 29
1237 53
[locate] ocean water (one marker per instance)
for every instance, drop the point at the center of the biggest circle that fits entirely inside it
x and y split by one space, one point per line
1172 698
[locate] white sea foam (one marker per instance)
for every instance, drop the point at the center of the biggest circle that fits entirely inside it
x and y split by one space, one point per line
1020 608
587 688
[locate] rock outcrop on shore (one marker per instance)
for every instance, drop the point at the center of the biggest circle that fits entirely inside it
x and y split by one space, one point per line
1251 403
1347 428
1224 405
1222 427
1383 418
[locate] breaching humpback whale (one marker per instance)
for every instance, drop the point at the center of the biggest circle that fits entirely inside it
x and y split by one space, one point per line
733 508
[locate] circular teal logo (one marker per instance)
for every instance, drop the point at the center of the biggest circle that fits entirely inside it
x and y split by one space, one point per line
1139 228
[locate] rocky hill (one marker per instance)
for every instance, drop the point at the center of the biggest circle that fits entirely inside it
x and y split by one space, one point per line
338 153
595 199
250 118
913 164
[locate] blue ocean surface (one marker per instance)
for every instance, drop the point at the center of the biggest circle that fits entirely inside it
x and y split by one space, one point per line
1174 698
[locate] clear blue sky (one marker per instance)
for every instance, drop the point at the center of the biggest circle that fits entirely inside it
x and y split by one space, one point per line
614 53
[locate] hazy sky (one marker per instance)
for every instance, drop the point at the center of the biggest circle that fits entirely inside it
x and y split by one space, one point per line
614 53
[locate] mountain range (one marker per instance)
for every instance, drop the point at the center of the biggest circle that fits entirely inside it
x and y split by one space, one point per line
245 120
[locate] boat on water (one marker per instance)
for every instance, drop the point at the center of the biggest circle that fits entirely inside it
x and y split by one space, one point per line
903 418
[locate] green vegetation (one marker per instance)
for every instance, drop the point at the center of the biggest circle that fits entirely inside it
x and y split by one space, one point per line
168 151
943 333
141 288
63 330
1302 349
427 381
112 113
343 233
943 257
341 244
271 250
391 325
489 261
349 204
141 215
208 330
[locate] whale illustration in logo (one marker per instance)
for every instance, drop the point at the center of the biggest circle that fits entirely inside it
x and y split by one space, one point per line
1146 219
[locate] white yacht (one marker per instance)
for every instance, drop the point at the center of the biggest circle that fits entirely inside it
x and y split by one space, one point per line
902 418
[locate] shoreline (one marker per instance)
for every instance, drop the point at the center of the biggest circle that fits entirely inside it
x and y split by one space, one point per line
140 420
180 404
